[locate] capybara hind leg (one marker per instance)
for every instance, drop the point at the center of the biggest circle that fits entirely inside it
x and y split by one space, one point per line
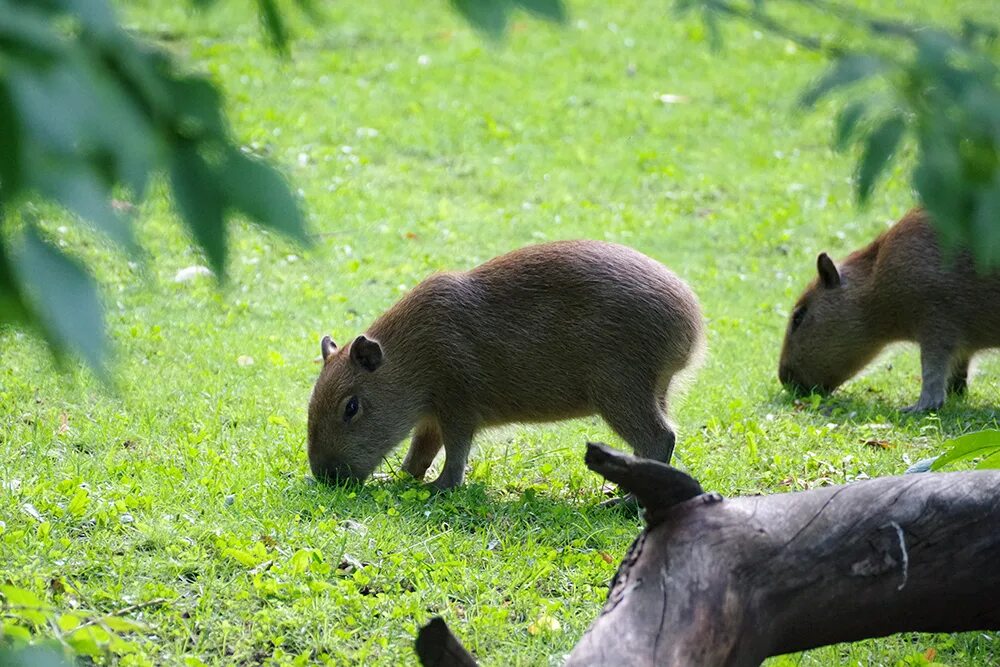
644 427
424 446
457 445
958 383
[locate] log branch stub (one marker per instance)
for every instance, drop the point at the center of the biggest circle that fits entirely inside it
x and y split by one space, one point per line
657 486
437 647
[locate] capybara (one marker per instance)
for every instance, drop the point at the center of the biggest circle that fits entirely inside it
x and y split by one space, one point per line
544 333
901 287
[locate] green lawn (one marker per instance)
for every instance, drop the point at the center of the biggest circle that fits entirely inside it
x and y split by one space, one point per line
419 147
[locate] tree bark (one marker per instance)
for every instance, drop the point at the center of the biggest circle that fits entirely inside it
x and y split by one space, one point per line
726 583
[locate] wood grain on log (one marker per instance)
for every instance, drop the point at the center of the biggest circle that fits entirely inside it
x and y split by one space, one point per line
729 583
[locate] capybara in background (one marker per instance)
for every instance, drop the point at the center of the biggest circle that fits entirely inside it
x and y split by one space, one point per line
545 333
901 287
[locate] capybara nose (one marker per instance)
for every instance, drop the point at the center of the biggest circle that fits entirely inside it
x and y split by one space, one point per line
334 472
788 381
785 376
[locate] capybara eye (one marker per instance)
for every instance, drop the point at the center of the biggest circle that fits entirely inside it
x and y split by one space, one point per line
351 408
797 316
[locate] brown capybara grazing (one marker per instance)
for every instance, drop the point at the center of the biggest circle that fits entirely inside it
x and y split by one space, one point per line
544 333
899 288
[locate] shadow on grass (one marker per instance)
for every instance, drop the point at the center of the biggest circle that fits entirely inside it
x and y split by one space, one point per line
474 508
958 415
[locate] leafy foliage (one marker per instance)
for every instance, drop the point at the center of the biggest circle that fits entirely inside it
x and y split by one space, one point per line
492 16
80 631
88 114
981 445
34 656
923 85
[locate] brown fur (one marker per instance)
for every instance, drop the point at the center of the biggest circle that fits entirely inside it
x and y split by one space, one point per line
898 288
543 333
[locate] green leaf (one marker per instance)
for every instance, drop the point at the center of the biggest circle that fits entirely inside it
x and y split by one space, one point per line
120 646
94 633
78 503
119 624
985 230
303 559
27 34
849 69
552 10
242 557
991 462
17 632
311 9
81 191
938 180
969 446
12 306
65 299
198 107
711 21
53 106
973 30
33 616
681 7
488 16
879 149
32 656
199 201
78 112
95 15
274 25
20 597
84 643
68 622
11 177
259 192
145 75
847 122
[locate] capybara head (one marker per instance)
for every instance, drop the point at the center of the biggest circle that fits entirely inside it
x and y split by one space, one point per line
827 341
352 421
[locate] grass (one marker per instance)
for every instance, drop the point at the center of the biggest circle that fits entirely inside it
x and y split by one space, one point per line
183 495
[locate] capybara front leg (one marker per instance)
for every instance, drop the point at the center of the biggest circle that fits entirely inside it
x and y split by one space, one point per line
424 446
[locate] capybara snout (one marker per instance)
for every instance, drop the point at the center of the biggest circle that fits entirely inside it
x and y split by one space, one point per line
350 409
334 472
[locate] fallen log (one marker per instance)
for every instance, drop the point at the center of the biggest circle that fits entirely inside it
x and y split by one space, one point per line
715 582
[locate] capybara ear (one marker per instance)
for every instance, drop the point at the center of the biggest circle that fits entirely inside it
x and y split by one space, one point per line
366 352
327 346
828 275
